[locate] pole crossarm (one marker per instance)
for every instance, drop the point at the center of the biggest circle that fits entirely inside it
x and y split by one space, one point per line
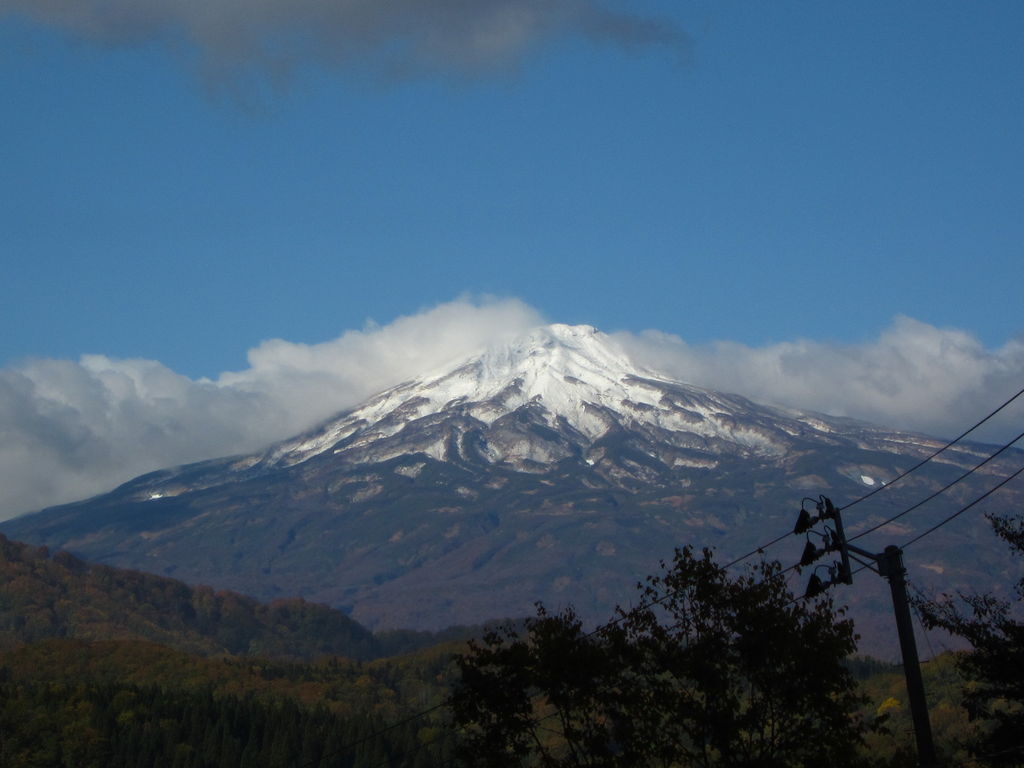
891 567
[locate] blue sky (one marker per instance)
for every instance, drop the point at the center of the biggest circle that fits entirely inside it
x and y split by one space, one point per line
181 189
797 170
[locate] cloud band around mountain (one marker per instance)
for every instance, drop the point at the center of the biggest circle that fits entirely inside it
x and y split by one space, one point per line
72 429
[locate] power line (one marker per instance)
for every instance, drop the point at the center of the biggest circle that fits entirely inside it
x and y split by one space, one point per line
924 461
914 468
760 550
924 629
963 509
596 630
779 574
942 490
941 523
923 598
891 566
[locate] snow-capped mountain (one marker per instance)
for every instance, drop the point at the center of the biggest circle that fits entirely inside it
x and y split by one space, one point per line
548 467
572 377
558 393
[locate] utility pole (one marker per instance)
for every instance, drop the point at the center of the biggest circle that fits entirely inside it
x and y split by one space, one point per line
890 566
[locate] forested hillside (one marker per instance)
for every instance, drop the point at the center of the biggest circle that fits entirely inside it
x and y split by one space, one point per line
130 703
105 667
101 666
44 596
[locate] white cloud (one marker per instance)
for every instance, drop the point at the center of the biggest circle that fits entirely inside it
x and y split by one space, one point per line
914 376
314 381
72 429
397 37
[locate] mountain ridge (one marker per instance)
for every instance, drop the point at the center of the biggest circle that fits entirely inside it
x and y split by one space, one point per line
546 468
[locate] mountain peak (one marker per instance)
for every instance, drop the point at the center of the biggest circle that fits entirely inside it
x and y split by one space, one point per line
567 370
573 380
560 333
545 359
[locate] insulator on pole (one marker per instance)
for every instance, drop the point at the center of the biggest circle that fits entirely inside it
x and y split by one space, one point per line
804 522
811 553
815 586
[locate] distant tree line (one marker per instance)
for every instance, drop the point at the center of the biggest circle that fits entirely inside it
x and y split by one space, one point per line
93 725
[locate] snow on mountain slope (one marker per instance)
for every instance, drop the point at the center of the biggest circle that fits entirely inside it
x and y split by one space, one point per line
576 375
558 393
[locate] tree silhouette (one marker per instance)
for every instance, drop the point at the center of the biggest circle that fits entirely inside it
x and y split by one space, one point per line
711 670
994 667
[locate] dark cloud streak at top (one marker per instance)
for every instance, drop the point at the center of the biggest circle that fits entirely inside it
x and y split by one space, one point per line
412 37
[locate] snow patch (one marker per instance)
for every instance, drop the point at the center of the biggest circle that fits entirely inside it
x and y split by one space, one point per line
412 470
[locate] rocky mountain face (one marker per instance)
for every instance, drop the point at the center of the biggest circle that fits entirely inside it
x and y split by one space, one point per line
549 468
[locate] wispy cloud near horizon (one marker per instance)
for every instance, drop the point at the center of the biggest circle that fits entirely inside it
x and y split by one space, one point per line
70 429
399 38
